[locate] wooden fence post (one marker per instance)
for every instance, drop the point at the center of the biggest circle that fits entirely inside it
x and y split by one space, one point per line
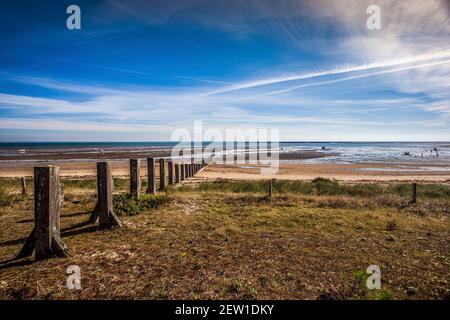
247 152
162 174
170 170
135 177
186 171
105 208
151 186
224 151
24 186
182 171
257 152
177 172
414 193
235 157
45 238
270 188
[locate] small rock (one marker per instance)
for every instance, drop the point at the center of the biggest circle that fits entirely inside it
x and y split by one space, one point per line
363 239
390 238
411 291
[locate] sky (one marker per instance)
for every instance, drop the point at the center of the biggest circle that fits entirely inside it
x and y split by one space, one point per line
138 70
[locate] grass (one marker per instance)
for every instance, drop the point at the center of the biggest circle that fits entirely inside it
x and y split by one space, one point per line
6 199
314 240
322 186
127 205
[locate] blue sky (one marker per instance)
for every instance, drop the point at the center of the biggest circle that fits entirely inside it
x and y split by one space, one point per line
137 70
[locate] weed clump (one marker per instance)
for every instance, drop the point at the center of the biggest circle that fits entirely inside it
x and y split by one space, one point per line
6 199
127 205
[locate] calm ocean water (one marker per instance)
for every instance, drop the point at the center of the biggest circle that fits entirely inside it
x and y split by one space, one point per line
340 152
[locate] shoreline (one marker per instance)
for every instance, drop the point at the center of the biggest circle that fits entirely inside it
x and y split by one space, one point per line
292 166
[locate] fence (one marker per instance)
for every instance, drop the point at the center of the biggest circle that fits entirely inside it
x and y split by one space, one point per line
45 240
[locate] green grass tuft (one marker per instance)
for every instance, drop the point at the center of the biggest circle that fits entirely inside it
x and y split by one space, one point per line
127 205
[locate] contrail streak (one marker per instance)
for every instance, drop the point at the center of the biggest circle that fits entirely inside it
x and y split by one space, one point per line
425 65
345 69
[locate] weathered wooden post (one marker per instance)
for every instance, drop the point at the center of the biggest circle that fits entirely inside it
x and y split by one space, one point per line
192 168
105 209
247 152
271 187
235 153
24 185
224 152
177 172
135 177
45 238
162 174
257 152
151 187
414 193
170 170
182 171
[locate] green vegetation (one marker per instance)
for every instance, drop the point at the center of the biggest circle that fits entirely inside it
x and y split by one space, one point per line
127 205
322 186
6 199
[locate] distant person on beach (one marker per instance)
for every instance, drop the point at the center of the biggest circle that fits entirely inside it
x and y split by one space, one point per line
437 152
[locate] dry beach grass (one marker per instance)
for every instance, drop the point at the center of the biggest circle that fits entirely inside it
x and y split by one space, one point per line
228 240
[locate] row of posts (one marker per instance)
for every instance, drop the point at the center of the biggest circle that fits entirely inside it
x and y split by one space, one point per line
45 241
177 172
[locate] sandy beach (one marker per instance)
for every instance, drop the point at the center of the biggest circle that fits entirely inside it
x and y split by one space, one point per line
70 166
344 172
